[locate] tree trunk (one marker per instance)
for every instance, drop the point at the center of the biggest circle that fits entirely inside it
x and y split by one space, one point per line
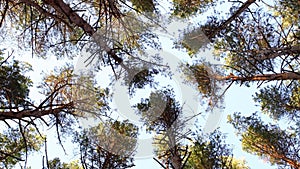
176 161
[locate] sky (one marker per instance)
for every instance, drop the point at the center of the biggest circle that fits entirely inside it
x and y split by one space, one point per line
237 99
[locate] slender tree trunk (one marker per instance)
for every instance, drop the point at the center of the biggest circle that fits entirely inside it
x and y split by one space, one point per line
175 159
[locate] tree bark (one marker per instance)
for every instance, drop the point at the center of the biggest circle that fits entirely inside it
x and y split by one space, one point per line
38 113
262 77
273 152
175 159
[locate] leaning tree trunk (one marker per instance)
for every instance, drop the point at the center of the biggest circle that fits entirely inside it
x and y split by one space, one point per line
262 77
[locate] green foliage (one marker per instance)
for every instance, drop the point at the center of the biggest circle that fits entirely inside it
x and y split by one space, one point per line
252 41
243 52
143 5
186 8
141 79
109 145
14 145
202 77
57 164
162 115
279 102
267 141
160 111
81 91
288 11
212 152
239 164
14 85
209 81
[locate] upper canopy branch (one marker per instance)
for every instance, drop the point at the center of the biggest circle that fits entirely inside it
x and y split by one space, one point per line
262 77
271 53
231 18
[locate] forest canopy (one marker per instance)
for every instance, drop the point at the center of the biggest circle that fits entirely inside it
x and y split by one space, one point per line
256 44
